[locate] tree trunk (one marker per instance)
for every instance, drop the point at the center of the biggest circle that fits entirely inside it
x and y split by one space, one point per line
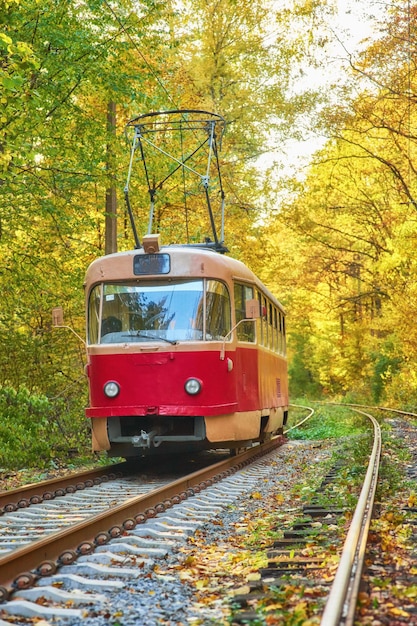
111 197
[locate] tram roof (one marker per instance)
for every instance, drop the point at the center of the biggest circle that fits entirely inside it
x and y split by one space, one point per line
185 261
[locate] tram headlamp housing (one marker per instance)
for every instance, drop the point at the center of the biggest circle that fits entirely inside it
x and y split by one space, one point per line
111 389
193 386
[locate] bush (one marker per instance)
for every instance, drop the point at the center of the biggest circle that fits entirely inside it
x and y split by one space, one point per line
37 432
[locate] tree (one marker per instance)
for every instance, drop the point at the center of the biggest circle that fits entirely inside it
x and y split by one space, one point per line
238 60
353 219
61 64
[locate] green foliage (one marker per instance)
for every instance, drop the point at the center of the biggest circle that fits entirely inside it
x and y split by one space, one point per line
329 423
301 377
37 432
385 366
59 67
349 227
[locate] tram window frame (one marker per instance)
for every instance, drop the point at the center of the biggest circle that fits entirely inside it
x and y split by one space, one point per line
94 314
261 326
220 307
242 292
270 326
282 339
278 340
275 328
215 301
284 336
265 320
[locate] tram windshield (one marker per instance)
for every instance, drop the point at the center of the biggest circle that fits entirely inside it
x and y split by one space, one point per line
182 310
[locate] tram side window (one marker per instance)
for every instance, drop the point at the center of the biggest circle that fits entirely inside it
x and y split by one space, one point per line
276 330
271 326
94 314
246 330
284 345
261 322
272 329
279 347
265 321
218 321
281 333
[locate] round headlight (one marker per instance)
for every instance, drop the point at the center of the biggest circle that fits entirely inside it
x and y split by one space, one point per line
193 386
111 389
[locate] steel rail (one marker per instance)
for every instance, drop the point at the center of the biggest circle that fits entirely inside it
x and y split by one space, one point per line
369 406
385 408
48 549
25 492
300 406
345 587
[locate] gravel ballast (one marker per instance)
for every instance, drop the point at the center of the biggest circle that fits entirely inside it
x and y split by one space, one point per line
197 550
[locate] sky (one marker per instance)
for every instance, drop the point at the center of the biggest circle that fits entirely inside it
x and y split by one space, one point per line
355 21
348 31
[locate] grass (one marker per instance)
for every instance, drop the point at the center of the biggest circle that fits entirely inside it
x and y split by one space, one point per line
327 422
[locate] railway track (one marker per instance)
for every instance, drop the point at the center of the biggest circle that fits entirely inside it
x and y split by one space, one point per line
343 597
35 493
298 562
80 546
150 528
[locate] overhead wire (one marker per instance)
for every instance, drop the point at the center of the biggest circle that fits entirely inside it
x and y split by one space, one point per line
125 30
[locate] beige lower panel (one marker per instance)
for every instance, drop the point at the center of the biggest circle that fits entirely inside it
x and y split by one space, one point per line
99 436
233 427
275 421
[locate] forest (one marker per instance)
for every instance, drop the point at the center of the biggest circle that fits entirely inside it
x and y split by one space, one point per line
333 236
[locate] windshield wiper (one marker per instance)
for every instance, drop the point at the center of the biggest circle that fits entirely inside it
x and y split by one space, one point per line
138 333
173 342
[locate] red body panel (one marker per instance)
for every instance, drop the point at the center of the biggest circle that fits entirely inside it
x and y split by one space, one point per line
153 383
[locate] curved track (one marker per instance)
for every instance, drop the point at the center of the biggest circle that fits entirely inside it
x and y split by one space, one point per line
343 596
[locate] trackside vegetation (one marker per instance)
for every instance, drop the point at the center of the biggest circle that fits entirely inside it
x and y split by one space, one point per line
36 431
327 422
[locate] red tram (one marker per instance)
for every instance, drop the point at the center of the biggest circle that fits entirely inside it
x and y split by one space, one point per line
186 350
186 347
